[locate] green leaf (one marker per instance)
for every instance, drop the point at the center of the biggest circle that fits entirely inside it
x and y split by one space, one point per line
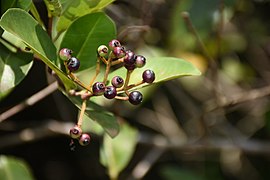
165 68
21 24
13 68
13 169
116 153
85 35
97 113
72 9
23 4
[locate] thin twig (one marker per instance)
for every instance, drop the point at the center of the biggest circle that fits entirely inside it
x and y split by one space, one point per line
50 128
145 165
242 97
29 101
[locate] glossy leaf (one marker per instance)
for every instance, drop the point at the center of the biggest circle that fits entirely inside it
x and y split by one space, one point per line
73 9
21 24
13 169
116 153
165 68
85 35
13 68
97 113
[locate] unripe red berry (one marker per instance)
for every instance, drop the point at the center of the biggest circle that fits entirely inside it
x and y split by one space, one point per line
119 52
75 132
140 61
84 139
65 54
117 81
114 43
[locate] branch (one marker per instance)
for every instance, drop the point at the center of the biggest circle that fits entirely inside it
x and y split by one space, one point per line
29 101
241 98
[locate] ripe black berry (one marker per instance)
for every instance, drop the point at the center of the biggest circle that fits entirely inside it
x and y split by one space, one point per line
73 64
75 132
140 61
65 54
98 88
117 81
148 76
135 97
102 50
119 52
129 58
110 92
114 43
84 139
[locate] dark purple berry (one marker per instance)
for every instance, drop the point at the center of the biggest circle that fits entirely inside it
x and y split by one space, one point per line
129 58
114 43
119 52
98 88
110 92
84 139
75 132
148 76
140 61
65 54
102 50
73 64
135 97
117 81
130 66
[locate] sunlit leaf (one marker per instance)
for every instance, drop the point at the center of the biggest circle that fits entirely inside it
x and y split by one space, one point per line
13 68
21 24
72 9
165 68
85 35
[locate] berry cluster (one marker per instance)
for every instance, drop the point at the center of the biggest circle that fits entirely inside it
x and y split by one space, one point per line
117 87
76 133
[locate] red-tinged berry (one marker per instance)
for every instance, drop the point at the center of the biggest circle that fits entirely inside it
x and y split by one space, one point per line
129 58
119 52
84 139
117 81
75 132
102 50
140 61
114 43
110 92
98 88
65 54
135 97
148 76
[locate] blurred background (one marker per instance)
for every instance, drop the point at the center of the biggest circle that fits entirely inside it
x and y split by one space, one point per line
213 126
